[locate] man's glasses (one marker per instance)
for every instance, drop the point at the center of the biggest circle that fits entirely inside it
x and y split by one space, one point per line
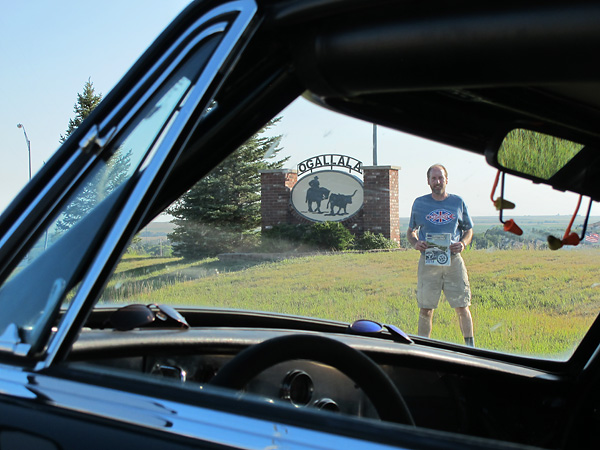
370 327
138 315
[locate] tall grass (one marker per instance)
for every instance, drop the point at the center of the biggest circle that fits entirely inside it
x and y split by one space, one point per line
526 302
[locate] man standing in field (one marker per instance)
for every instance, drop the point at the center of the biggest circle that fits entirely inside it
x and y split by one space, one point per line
444 215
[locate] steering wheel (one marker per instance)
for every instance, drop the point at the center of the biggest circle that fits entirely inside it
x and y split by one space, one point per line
384 394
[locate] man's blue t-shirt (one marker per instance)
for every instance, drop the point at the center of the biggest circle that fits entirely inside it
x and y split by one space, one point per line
446 216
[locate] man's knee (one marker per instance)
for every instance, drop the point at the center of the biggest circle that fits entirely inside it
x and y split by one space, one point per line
426 313
463 311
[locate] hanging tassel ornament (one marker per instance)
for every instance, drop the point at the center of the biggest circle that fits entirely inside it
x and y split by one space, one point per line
501 204
571 238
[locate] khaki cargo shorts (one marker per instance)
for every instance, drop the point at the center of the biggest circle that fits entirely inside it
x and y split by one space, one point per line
453 280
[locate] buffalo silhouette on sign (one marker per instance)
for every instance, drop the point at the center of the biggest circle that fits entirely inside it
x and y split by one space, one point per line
341 201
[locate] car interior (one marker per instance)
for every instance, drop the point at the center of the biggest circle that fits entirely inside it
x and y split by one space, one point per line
464 75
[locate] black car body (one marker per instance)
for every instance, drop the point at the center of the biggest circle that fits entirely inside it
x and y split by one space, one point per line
463 74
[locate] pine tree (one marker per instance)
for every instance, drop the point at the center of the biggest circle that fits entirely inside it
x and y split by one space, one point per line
221 210
104 179
86 102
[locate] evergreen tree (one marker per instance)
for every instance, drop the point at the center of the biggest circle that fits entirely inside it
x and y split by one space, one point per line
86 102
104 179
219 213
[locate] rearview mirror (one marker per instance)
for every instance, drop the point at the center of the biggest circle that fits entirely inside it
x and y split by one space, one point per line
535 154
564 163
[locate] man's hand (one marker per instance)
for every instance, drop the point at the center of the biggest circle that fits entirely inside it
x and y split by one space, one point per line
421 245
457 247
465 240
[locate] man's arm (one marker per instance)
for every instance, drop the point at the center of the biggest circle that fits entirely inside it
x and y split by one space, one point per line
413 238
465 240
467 237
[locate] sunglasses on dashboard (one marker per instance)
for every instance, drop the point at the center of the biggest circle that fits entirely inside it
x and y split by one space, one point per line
138 315
370 327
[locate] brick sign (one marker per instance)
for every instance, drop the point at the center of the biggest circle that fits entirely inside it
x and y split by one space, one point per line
374 206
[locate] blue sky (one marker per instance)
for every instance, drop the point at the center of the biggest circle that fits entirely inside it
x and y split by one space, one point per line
48 50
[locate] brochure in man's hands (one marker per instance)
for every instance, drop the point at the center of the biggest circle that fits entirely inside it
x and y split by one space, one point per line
438 252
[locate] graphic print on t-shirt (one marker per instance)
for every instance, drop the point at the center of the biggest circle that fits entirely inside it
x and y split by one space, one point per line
440 217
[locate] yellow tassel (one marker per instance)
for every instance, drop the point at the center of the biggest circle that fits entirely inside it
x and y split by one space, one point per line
501 203
554 243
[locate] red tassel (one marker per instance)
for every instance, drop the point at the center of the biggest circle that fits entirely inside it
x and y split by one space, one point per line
571 239
512 227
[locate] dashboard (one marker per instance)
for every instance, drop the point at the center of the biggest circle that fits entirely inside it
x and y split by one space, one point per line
443 390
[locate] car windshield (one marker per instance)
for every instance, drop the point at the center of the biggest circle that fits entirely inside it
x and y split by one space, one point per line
310 218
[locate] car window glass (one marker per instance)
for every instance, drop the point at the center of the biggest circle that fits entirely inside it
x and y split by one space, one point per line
74 229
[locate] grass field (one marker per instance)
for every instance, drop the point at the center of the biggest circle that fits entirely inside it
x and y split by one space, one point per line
524 302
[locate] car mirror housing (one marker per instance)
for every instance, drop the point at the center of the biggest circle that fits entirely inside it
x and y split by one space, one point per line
545 157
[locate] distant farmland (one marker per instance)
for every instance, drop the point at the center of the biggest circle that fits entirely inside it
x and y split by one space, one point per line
157 232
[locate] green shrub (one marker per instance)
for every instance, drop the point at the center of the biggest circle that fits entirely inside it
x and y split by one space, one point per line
373 241
284 237
250 241
302 237
330 236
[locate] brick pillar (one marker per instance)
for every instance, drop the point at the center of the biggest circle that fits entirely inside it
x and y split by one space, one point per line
381 212
276 186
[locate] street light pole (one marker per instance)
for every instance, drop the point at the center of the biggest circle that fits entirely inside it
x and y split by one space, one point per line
374 144
20 125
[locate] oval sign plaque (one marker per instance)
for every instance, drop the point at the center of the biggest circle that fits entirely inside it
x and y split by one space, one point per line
328 195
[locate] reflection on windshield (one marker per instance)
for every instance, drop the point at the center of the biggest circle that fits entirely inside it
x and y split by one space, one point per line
119 168
214 250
